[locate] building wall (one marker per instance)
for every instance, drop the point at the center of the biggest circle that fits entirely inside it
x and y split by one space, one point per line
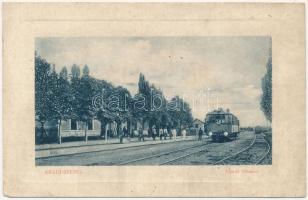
80 132
200 125
65 125
139 125
65 129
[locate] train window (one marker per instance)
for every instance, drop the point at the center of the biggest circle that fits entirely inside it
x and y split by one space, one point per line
219 117
73 124
228 118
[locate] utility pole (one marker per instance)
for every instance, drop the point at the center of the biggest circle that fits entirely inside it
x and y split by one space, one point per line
106 130
102 107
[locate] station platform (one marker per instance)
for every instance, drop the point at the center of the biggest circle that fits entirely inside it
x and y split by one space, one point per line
72 148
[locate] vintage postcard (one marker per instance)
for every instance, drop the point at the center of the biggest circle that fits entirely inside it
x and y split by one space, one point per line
154 100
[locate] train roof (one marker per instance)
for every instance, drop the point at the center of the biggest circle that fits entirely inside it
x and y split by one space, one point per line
220 111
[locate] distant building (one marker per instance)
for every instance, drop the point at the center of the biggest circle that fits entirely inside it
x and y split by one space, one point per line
197 123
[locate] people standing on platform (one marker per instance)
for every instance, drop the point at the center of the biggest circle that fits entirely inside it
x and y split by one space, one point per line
144 133
161 133
154 133
125 133
174 133
135 132
108 133
139 134
200 132
183 133
121 135
169 133
165 133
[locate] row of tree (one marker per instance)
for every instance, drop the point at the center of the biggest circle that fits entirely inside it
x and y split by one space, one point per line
159 111
61 96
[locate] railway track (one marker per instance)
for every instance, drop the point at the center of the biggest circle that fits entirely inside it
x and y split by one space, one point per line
267 153
192 151
254 153
160 156
181 157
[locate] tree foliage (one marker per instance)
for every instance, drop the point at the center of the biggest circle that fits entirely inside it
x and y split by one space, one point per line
180 112
64 94
266 99
156 107
43 94
69 96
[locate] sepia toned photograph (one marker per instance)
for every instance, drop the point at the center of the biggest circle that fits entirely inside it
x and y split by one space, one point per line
153 101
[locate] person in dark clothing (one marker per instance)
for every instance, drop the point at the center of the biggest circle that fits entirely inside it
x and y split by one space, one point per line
125 132
169 133
139 134
121 136
153 131
200 134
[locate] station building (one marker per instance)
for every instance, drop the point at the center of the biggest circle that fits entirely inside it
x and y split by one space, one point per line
197 123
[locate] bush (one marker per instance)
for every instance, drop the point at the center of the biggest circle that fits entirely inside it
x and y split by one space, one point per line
50 137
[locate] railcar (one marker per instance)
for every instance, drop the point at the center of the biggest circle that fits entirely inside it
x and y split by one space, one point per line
222 125
258 130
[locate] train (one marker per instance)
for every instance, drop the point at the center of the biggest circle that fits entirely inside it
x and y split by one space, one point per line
222 125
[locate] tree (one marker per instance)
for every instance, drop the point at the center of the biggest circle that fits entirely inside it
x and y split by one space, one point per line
85 91
180 112
158 108
143 85
142 100
75 71
153 105
266 98
42 91
53 93
63 108
123 108
75 84
86 71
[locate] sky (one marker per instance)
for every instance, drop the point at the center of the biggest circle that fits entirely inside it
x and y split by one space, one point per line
208 72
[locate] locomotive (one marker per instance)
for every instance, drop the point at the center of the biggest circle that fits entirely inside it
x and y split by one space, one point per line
222 125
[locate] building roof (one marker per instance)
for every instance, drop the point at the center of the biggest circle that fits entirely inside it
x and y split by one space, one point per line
198 120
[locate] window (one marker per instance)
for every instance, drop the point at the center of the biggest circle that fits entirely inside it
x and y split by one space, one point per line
73 124
220 117
228 118
196 125
90 124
